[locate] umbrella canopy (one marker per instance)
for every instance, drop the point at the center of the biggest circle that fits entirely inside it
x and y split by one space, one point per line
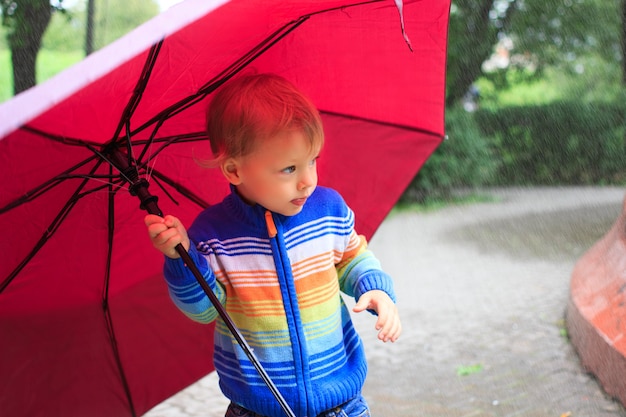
86 324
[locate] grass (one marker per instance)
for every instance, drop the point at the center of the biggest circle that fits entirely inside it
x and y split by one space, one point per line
49 63
434 204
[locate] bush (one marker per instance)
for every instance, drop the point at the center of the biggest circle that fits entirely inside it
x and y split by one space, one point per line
464 159
561 143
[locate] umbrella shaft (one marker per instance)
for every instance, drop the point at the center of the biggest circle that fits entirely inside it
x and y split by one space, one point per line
233 329
139 187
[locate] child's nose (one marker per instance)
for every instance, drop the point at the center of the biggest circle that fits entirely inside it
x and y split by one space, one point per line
307 180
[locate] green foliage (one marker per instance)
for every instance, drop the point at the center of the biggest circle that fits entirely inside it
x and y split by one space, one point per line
560 129
50 63
464 160
3 37
66 31
533 92
535 35
6 79
113 19
465 370
65 35
558 33
597 80
560 143
432 204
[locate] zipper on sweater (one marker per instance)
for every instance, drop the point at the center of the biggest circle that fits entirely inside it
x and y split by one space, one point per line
279 262
271 226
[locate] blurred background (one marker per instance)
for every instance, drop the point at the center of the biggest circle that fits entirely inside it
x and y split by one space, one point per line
535 88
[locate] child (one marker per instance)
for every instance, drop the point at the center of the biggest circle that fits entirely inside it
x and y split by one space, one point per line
276 252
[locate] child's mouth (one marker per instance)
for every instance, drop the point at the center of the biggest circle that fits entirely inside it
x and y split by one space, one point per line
299 201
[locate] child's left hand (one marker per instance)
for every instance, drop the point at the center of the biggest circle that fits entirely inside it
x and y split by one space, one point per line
388 323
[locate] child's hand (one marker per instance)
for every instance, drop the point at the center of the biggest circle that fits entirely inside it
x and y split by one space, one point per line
388 323
165 233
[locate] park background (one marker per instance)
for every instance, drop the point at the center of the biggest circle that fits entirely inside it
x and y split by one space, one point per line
535 88
535 97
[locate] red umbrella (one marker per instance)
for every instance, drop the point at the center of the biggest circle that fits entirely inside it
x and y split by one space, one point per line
86 324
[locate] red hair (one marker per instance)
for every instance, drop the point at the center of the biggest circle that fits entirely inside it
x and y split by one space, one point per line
250 108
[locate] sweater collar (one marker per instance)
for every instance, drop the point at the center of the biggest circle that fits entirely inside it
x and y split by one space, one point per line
250 214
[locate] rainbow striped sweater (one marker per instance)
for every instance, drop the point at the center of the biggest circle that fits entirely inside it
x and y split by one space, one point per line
280 279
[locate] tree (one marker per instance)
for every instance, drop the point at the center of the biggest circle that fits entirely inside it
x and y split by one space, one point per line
546 33
474 28
27 21
559 33
623 40
115 18
91 6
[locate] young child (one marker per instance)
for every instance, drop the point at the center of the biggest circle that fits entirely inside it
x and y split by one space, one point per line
277 251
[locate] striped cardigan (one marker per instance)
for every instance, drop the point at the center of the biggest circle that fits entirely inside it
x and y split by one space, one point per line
279 279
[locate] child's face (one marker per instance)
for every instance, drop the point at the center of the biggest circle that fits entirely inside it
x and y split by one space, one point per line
280 174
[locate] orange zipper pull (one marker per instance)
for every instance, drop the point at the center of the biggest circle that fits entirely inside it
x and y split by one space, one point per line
271 226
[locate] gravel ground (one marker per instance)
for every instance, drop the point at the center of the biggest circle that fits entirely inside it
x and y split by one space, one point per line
482 293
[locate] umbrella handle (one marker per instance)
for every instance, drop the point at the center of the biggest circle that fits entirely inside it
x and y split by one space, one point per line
139 187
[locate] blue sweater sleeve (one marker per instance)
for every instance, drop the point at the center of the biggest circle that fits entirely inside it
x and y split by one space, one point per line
186 292
364 274
359 270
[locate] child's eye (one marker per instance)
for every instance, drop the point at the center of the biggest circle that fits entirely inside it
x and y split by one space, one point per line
289 170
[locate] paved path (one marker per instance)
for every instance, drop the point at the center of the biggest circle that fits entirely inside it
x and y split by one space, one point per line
482 293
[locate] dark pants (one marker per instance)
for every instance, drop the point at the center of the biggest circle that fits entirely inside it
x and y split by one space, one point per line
356 407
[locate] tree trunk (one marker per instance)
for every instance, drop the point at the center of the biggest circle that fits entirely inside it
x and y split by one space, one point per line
623 41
89 27
477 44
31 20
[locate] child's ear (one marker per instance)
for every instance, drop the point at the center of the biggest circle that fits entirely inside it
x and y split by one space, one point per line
230 169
